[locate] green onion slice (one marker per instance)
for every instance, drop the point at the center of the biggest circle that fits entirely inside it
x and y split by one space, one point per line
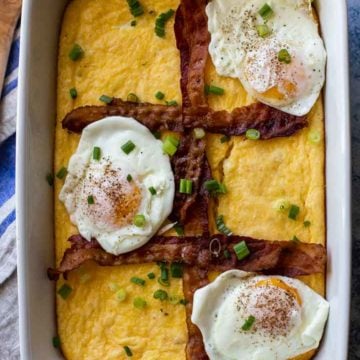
171 103
176 270
157 134
263 30
159 95
76 53
248 323
129 178
128 147
161 295
293 212
90 200
212 89
73 93
138 281
266 11
65 291
161 21
152 190
50 179
56 342
170 145
221 227
179 230
284 56
139 303
183 302
106 99
199 133
151 275
96 153
128 351
185 186
135 7
139 220
241 250
214 187
132 98
252 134
61 173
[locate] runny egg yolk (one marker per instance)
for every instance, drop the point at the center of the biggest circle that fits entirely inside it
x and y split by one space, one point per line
282 285
114 200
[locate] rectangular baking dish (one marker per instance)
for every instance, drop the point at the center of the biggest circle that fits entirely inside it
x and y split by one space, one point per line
41 21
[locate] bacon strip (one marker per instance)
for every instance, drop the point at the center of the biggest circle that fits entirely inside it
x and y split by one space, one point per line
280 257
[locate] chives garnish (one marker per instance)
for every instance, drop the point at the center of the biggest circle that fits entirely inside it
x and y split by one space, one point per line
263 30
164 275
76 52
241 250
248 323
163 282
106 99
133 23
284 56
159 95
152 190
174 140
139 220
128 147
185 186
179 230
212 89
199 133
132 98
151 275
176 270
65 291
293 212
96 153
314 137
161 295
50 179
128 351
139 303
214 187
266 11
295 239
135 7
138 281
221 227
252 134
171 103
129 178
56 342
121 295
161 21
61 173
224 139
307 223
90 200
183 302
73 93
157 134
170 145
227 254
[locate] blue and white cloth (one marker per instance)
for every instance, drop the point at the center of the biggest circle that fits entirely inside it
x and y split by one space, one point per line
9 343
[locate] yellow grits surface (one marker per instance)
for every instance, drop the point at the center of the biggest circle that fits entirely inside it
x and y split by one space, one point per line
119 59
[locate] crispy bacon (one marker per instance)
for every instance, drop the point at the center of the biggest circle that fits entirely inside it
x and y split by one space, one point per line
280 257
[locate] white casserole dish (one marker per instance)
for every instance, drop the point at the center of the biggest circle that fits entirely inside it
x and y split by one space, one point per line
41 21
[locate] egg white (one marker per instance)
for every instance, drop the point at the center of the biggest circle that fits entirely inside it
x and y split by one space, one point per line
217 313
238 51
148 167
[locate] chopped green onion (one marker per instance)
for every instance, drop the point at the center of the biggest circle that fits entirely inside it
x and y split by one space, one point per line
157 134
284 56
139 220
128 351
221 227
139 303
179 230
137 281
164 275
252 134
90 200
65 291
176 270
307 223
163 282
224 139
106 99
133 23
314 137
171 103
61 173
266 12
212 89
129 178
227 254
96 153
183 302
161 21
76 52
248 323
152 190
295 239
128 147
199 133
50 179
151 275
73 93
121 295
263 30
170 145
185 186
159 95
135 7
241 250
174 140
161 295
214 187
132 98
293 212
281 205
56 342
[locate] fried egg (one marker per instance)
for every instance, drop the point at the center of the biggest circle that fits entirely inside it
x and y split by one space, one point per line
118 193
246 316
272 47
